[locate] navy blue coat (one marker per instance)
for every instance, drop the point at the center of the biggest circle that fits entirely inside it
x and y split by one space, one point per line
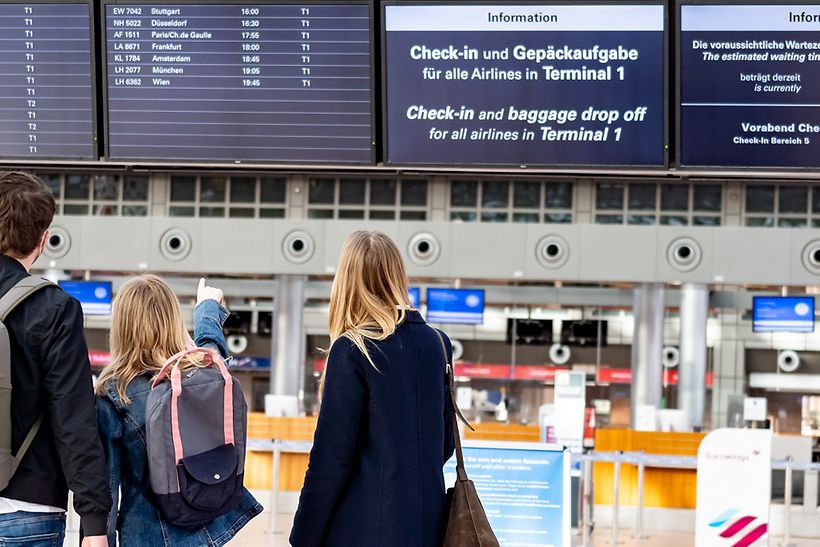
375 475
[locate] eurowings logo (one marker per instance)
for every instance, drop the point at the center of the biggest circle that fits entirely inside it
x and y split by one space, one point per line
740 529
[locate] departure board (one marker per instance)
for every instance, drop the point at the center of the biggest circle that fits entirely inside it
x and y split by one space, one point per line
747 94
273 83
46 83
525 84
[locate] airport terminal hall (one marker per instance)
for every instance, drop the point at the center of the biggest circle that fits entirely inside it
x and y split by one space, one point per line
567 249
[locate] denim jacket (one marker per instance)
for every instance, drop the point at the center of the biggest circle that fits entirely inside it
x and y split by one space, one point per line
122 429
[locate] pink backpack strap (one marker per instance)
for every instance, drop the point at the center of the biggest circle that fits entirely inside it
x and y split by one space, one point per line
176 392
216 359
166 367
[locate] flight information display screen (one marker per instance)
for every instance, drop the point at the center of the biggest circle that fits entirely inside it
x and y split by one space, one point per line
46 81
783 314
525 84
747 97
279 83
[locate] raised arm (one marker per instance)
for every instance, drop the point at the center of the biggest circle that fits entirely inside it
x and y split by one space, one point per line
209 316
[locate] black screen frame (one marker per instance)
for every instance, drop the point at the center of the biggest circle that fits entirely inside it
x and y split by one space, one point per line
103 52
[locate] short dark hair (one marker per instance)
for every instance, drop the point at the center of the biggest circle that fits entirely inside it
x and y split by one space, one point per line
26 210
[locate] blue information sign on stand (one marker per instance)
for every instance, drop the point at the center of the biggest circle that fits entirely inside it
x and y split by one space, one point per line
524 488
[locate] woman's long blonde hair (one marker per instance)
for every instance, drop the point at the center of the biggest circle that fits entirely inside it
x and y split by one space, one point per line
146 329
369 295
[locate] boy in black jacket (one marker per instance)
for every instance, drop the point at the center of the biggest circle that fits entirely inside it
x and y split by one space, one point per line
51 377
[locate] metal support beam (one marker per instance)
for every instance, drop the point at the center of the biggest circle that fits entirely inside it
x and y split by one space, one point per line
288 345
647 344
694 310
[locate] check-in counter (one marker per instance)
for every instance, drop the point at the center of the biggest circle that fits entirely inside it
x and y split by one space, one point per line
669 488
292 467
494 431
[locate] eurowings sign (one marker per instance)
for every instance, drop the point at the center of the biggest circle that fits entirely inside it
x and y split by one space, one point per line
734 488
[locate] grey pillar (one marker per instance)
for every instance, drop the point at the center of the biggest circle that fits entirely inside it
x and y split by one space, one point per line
694 310
288 345
729 355
647 345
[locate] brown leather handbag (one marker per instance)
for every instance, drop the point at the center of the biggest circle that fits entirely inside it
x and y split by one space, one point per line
467 524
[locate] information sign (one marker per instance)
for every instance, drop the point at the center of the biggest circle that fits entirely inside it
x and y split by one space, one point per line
570 404
524 489
94 296
746 93
524 84
783 314
464 306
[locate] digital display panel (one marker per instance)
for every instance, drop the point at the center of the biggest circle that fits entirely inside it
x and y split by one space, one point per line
584 333
746 93
415 296
278 83
94 296
533 332
524 84
46 99
465 306
783 314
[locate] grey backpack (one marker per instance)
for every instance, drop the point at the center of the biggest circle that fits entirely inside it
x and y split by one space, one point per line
195 428
13 298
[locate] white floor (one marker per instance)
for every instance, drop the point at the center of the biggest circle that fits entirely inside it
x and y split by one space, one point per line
256 535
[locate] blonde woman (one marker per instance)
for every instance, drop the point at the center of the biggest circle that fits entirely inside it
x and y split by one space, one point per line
375 475
146 329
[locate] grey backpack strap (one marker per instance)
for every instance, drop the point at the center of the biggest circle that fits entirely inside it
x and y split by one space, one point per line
8 302
19 292
26 443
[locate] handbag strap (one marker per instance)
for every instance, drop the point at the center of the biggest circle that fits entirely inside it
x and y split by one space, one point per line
457 415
